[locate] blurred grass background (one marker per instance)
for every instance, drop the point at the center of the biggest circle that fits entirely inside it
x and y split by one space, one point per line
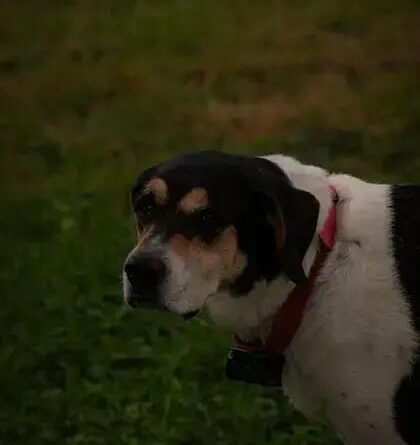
91 92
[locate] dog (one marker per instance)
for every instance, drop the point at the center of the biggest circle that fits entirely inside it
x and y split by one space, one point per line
238 237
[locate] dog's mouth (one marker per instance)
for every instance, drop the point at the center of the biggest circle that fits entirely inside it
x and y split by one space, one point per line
189 315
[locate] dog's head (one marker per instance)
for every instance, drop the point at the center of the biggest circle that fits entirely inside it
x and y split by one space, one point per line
209 222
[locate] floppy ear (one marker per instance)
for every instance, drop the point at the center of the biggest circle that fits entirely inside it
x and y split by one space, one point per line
268 206
293 216
300 214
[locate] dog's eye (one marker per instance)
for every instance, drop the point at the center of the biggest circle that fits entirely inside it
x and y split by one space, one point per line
145 207
206 219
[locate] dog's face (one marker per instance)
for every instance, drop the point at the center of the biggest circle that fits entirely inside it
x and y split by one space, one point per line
208 222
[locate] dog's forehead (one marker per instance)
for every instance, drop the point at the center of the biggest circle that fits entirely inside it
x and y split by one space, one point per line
200 182
211 178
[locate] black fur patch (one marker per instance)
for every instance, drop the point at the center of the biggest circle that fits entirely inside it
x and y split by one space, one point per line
406 242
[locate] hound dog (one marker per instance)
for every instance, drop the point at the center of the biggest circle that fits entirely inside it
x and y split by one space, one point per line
236 236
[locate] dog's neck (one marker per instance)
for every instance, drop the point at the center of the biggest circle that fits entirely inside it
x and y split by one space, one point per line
250 315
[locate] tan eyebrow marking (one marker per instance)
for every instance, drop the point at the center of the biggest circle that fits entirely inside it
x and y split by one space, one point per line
195 199
159 188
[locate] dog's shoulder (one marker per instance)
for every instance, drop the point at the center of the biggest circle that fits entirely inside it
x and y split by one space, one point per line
363 211
380 215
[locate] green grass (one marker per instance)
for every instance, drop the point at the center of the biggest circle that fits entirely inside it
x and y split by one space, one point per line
94 91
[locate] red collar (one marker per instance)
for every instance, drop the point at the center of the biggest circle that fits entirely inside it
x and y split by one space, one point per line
289 317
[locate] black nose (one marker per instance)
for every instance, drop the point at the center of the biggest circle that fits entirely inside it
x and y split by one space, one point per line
145 274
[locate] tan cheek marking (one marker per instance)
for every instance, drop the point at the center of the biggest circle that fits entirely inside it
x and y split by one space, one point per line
233 260
159 188
208 257
238 266
195 199
181 246
221 258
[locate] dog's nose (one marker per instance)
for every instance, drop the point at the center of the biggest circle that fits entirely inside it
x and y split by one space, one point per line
145 274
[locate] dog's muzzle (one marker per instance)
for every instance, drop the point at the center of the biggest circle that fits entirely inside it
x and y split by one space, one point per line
145 274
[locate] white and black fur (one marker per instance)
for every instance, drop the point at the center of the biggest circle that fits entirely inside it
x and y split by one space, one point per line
355 359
